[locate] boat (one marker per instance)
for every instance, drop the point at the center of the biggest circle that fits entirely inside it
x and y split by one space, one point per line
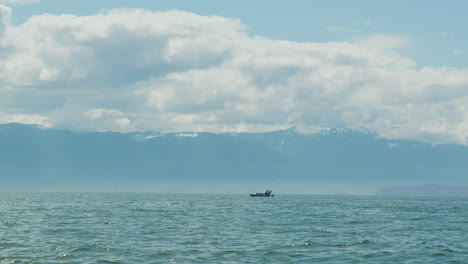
267 193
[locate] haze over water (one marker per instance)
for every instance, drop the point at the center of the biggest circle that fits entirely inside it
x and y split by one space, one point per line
204 228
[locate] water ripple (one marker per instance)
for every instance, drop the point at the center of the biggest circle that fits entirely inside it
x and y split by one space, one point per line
166 228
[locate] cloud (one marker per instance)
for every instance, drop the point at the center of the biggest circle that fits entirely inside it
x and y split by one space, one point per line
18 1
25 119
456 51
132 69
5 16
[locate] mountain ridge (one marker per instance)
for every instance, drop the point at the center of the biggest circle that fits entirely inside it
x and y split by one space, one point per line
33 155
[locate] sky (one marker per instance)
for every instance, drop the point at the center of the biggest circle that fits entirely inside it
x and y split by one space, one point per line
398 69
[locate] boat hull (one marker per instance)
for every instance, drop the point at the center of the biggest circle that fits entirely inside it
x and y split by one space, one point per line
267 193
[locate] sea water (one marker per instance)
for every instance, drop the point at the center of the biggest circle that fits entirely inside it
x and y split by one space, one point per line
205 228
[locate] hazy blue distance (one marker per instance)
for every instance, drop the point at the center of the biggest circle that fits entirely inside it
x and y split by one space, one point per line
38 159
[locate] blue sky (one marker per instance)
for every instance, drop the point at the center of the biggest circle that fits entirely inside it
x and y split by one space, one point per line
397 68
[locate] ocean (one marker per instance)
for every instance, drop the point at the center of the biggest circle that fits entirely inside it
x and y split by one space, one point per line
208 228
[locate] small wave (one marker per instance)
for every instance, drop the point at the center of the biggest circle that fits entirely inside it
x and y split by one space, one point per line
108 261
8 261
354 244
85 248
192 242
271 253
41 209
165 253
305 244
448 250
357 222
228 252
142 210
83 216
343 245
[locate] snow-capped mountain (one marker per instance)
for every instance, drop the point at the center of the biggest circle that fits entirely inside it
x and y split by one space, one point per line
30 155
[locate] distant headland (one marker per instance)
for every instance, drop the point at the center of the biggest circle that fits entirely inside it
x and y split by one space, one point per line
425 190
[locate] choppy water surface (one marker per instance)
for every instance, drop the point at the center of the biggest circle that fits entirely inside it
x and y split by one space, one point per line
194 228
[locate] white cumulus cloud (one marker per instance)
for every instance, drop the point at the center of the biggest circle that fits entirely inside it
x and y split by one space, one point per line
18 1
132 69
5 16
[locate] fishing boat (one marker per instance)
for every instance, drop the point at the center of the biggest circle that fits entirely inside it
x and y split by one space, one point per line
267 193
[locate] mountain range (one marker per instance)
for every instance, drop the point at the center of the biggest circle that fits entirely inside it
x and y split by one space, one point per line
34 158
